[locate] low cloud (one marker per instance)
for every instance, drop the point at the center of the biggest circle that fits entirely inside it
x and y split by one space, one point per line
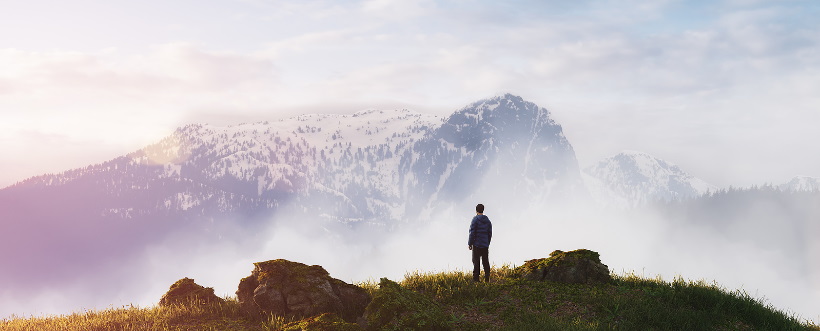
646 243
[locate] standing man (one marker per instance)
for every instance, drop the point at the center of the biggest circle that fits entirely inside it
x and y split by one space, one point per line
481 231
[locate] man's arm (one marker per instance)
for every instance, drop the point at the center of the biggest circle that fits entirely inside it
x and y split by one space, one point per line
471 238
489 232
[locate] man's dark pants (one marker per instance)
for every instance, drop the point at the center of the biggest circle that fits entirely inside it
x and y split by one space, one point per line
481 253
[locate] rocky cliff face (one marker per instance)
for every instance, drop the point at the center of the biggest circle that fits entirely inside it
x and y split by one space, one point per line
502 149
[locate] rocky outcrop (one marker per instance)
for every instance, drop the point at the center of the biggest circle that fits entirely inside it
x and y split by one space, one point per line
578 266
186 291
293 289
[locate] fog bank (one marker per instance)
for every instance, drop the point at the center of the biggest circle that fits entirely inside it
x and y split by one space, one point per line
644 243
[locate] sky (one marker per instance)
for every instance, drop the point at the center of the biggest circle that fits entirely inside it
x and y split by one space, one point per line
725 89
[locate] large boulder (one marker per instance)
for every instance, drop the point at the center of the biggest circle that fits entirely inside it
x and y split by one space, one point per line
293 289
578 266
186 291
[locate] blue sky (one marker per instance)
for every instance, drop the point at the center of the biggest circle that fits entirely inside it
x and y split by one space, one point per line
726 89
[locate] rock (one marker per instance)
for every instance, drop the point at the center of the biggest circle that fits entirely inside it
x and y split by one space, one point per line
185 291
397 308
578 266
293 289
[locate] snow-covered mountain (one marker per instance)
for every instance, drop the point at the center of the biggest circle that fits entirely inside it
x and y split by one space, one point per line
503 149
204 179
801 184
373 167
376 166
342 165
630 178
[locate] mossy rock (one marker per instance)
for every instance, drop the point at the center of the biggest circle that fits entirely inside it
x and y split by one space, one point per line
297 290
323 322
578 266
397 308
186 291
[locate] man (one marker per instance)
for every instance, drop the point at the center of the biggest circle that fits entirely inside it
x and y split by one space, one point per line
481 232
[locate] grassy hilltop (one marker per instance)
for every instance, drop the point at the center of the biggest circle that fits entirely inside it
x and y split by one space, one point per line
450 300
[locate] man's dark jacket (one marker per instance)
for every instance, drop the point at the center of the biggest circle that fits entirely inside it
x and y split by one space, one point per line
481 232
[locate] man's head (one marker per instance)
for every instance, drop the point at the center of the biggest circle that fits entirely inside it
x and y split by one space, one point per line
479 208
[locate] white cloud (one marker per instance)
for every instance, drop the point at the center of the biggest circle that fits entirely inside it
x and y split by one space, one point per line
398 9
117 100
706 67
308 42
168 68
645 242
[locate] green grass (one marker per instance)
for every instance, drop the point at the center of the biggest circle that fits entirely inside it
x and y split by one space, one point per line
629 303
221 316
506 303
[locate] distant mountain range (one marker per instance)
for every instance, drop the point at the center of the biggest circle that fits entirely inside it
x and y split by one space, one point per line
372 166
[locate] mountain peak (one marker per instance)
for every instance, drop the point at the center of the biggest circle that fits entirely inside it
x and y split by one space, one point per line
502 122
506 96
633 153
638 177
644 162
500 135
502 102
801 184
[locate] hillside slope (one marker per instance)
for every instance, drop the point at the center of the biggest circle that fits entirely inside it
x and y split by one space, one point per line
451 301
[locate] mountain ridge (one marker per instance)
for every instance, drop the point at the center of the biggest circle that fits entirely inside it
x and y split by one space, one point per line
631 177
315 152
364 165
